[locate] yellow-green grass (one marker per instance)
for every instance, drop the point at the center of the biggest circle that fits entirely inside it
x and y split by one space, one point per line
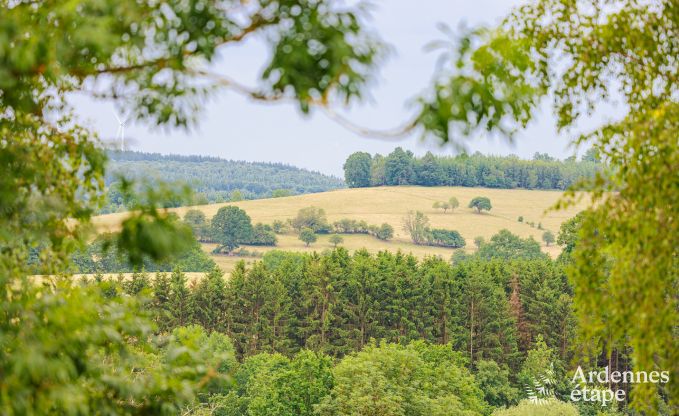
390 204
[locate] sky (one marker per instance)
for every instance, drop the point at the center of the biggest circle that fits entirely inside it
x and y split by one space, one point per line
234 127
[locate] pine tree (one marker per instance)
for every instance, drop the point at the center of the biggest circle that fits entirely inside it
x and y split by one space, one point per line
180 302
209 301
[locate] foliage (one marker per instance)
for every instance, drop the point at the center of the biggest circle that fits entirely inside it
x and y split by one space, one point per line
308 236
198 222
445 238
480 203
392 379
505 172
385 232
357 170
453 202
416 224
275 385
311 217
348 226
583 53
262 235
101 257
79 350
548 237
494 382
506 245
552 408
335 240
230 227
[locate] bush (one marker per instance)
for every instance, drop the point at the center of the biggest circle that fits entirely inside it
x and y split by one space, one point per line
313 218
280 227
521 218
385 232
263 235
445 238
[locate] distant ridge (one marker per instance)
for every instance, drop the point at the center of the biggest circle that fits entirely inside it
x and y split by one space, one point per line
214 179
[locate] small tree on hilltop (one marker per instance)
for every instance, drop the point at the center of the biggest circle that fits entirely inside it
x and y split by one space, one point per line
308 236
335 240
480 203
453 203
548 237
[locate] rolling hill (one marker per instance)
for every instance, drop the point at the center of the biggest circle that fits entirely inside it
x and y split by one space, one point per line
390 204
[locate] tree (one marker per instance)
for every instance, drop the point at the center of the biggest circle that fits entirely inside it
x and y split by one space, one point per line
445 238
494 382
311 217
398 168
578 53
392 379
480 203
196 220
385 232
454 203
416 224
308 236
479 241
505 245
357 170
548 237
236 196
334 240
230 227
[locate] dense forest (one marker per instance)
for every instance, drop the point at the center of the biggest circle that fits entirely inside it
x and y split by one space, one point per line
303 334
403 168
213 179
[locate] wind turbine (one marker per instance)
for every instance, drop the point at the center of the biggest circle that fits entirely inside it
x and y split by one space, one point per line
121 131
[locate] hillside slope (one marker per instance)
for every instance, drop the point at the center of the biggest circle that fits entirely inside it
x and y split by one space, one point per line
390 204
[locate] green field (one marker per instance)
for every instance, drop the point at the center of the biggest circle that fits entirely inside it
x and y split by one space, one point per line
390 204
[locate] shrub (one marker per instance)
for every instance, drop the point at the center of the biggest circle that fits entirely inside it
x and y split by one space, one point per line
521 218
445 238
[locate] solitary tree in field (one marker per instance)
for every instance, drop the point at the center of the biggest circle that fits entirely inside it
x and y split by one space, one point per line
453 203
308 236
480 203
230 226
335 240
416 224
478 241
548 237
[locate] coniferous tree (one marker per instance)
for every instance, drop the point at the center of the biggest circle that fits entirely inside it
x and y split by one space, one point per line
180 300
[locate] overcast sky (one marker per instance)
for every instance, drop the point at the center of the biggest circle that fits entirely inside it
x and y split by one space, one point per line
234 128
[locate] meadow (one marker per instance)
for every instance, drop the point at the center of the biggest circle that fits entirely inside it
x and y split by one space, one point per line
390 204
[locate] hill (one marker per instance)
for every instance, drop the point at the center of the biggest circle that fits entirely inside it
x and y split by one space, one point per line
390 204
215 180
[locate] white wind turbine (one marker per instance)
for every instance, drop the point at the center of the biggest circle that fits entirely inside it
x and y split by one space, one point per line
120 134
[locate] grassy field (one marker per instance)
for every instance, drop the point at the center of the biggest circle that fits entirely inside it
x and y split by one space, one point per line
390 204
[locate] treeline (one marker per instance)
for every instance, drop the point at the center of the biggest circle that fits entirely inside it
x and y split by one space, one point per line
403 168
213 180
